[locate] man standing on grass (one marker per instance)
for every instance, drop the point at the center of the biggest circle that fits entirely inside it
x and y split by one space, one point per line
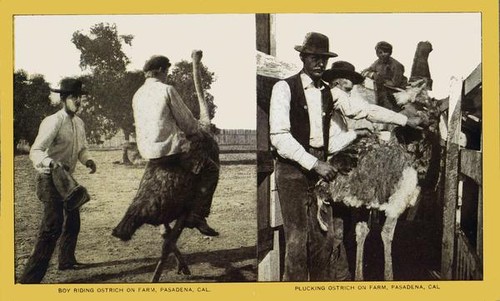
60 143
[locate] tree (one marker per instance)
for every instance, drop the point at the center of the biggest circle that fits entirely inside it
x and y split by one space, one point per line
101 50
31 105
181 78
111 87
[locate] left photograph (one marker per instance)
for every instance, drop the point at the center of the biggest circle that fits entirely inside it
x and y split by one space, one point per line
135 148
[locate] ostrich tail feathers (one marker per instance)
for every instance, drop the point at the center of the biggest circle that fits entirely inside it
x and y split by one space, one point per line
130 222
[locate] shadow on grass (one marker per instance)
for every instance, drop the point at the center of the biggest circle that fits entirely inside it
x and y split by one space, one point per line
223 162
223 259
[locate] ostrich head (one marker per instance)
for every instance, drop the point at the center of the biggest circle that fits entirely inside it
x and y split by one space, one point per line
415 101
422 143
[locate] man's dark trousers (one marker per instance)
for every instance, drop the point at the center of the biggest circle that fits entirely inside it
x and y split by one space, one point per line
54 224
311 254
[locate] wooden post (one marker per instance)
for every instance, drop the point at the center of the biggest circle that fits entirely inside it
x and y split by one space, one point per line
451 180
264 158
269 250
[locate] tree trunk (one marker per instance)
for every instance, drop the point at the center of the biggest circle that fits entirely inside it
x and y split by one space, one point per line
125 147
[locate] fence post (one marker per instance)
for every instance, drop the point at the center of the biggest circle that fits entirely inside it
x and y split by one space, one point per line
451 179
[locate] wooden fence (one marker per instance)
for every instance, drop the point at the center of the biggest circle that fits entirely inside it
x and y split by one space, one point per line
239 137
462 251
228 139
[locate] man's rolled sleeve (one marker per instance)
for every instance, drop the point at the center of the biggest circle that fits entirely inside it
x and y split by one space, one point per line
279 122
357 108
84 154
380 114
46 135
294 151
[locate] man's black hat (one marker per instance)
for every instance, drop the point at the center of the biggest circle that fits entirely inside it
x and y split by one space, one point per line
343 69
71 86
315 43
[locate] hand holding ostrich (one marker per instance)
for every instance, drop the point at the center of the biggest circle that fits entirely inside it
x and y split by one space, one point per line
385 175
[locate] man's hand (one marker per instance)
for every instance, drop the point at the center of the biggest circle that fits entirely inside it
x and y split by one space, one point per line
90 164
325 170
415 122
367 73
54 164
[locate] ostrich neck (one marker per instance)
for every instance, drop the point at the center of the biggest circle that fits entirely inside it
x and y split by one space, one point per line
204 115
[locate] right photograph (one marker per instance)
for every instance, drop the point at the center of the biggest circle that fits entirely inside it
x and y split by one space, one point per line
369 147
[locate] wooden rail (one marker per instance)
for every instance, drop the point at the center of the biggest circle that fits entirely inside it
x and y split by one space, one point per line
462 258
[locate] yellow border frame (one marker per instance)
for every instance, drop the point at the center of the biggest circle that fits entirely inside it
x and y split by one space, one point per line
488 289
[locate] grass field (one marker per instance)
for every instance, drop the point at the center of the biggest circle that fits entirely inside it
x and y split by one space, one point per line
228 258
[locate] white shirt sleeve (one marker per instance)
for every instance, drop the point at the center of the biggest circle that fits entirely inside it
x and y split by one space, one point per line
357 108
83 155
341 141
46 135
279 123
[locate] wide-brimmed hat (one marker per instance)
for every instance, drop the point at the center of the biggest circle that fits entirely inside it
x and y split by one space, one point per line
71 86
315 43
156 62
343 69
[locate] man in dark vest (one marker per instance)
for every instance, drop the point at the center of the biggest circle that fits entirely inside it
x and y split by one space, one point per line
302 131
299 119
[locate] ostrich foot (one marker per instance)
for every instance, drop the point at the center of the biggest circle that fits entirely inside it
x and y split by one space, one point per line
362 231
387 236
182 267
170 238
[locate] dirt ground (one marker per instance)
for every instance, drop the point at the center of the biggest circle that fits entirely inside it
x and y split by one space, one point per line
230 257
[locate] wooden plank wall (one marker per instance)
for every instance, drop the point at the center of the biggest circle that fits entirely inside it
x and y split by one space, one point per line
451 180
462 259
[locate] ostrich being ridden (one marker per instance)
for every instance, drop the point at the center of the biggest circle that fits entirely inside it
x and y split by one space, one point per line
169 190
386 175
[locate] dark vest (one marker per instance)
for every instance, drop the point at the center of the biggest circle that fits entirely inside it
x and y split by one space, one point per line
299 116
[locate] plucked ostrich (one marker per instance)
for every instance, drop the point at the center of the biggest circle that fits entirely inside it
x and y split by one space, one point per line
166 195
387 175
383 175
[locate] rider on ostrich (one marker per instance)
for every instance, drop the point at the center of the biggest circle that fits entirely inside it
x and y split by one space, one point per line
178 171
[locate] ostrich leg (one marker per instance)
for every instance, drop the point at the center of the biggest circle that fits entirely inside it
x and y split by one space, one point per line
169 242
387 236
182 266
362 231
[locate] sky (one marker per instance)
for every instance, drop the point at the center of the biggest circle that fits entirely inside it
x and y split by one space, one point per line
455 39
42 45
